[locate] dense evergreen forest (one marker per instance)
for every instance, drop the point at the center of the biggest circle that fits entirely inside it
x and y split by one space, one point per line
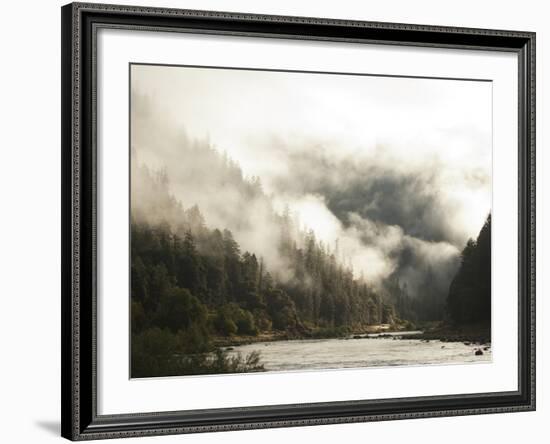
469 299
192 284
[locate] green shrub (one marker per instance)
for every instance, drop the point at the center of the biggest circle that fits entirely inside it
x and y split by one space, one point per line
223 323
232 319
180 310
245 323
157 352
151 351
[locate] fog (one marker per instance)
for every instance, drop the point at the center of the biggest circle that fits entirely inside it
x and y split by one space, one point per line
393 174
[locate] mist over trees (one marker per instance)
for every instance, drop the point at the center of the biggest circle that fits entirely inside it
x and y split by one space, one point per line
225 199
211 264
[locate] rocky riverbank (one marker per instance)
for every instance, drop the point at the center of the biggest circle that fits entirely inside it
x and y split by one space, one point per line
314 333
468 334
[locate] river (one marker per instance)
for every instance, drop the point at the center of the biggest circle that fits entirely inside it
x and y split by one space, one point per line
368 351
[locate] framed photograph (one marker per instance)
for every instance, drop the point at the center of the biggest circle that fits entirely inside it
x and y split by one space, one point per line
275 221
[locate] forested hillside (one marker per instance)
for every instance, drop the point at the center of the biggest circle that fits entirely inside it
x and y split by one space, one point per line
470 291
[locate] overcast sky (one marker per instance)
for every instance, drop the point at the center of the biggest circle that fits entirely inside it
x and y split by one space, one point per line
412 148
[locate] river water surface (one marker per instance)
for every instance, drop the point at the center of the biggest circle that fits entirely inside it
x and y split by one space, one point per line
368 351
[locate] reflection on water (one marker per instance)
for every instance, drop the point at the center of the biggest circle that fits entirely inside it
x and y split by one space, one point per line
372 351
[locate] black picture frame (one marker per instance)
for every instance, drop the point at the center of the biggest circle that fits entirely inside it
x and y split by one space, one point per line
80 420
